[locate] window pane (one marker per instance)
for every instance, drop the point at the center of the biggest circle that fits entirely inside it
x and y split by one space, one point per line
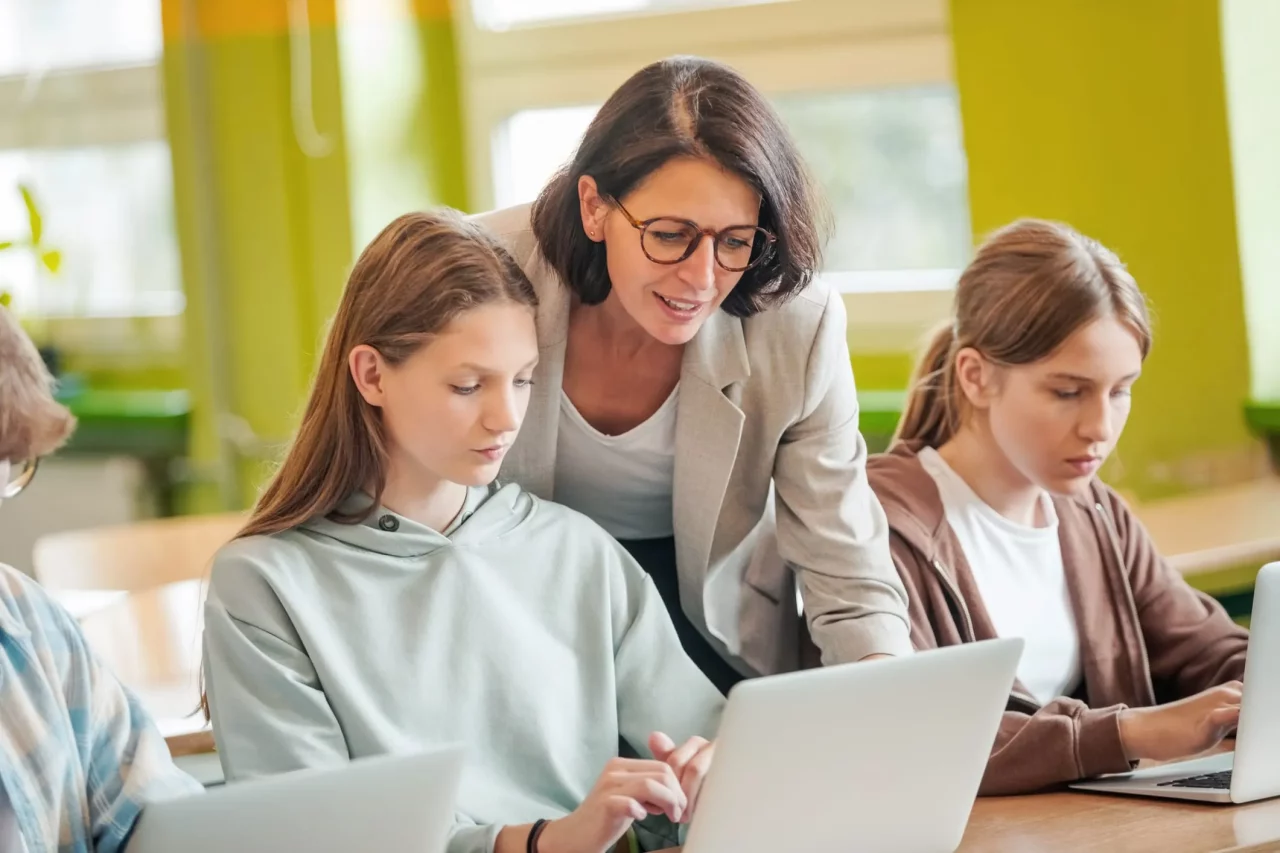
503 14
109 211
893 167
530 146
891 163
42 35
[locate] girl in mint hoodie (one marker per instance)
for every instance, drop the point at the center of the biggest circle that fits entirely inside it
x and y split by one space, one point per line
387 595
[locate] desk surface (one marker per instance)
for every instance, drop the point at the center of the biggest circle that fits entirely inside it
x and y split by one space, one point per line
1048 823
1217 529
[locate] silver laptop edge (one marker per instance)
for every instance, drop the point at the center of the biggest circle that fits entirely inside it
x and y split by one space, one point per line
402 802
841 757
1255 764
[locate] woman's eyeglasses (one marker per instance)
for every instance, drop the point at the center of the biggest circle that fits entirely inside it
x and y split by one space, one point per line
666 240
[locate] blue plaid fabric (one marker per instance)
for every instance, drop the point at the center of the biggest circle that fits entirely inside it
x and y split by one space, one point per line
78 754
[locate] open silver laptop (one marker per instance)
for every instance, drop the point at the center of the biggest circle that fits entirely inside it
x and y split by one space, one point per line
845 758
401 803
1253 771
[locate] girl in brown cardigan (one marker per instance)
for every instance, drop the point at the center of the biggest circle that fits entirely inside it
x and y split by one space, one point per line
1000 527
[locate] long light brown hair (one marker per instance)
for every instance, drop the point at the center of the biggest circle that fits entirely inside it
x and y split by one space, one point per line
1029 287
419 274
413 280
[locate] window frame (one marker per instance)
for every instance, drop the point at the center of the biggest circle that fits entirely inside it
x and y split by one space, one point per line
93 106
82 107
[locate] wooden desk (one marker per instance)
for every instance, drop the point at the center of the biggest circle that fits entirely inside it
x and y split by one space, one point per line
1048 823
1073 821
1217 529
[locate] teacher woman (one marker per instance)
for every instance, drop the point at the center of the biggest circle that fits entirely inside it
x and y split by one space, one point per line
694 394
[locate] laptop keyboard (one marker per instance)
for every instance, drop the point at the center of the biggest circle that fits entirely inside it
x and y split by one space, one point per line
1217 781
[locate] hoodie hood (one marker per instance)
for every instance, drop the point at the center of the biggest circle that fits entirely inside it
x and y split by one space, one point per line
501 510
909 496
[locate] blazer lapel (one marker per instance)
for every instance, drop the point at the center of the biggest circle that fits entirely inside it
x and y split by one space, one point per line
708 430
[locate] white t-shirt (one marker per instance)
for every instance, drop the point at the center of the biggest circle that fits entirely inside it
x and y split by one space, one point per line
622 482
1018 570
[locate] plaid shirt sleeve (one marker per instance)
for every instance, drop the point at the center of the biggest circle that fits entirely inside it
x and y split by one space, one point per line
75 712
129 763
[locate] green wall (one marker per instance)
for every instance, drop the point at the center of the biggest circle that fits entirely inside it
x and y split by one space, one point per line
883 371
1112 116
264 230
268 222
402 111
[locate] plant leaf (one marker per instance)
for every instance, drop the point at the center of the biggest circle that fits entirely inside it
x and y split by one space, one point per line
52 260
5 244
5 298
33 214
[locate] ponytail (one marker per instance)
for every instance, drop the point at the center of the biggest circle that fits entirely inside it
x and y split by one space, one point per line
1029 287
931 414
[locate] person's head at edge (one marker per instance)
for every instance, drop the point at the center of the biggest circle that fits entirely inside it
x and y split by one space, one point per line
682 139
32 423
1031 381
54 673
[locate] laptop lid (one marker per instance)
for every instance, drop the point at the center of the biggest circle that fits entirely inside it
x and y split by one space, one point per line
883 755
1256 774
402 803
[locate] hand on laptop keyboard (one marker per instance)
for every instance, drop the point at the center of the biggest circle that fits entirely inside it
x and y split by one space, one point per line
627 790
1182 728
691 762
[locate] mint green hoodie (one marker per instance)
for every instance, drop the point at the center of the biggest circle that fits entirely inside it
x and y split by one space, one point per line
528 634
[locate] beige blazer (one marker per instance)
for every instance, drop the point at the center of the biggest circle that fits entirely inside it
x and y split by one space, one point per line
770 481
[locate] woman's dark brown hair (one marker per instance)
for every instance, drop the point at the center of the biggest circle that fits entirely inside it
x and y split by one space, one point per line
688 107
